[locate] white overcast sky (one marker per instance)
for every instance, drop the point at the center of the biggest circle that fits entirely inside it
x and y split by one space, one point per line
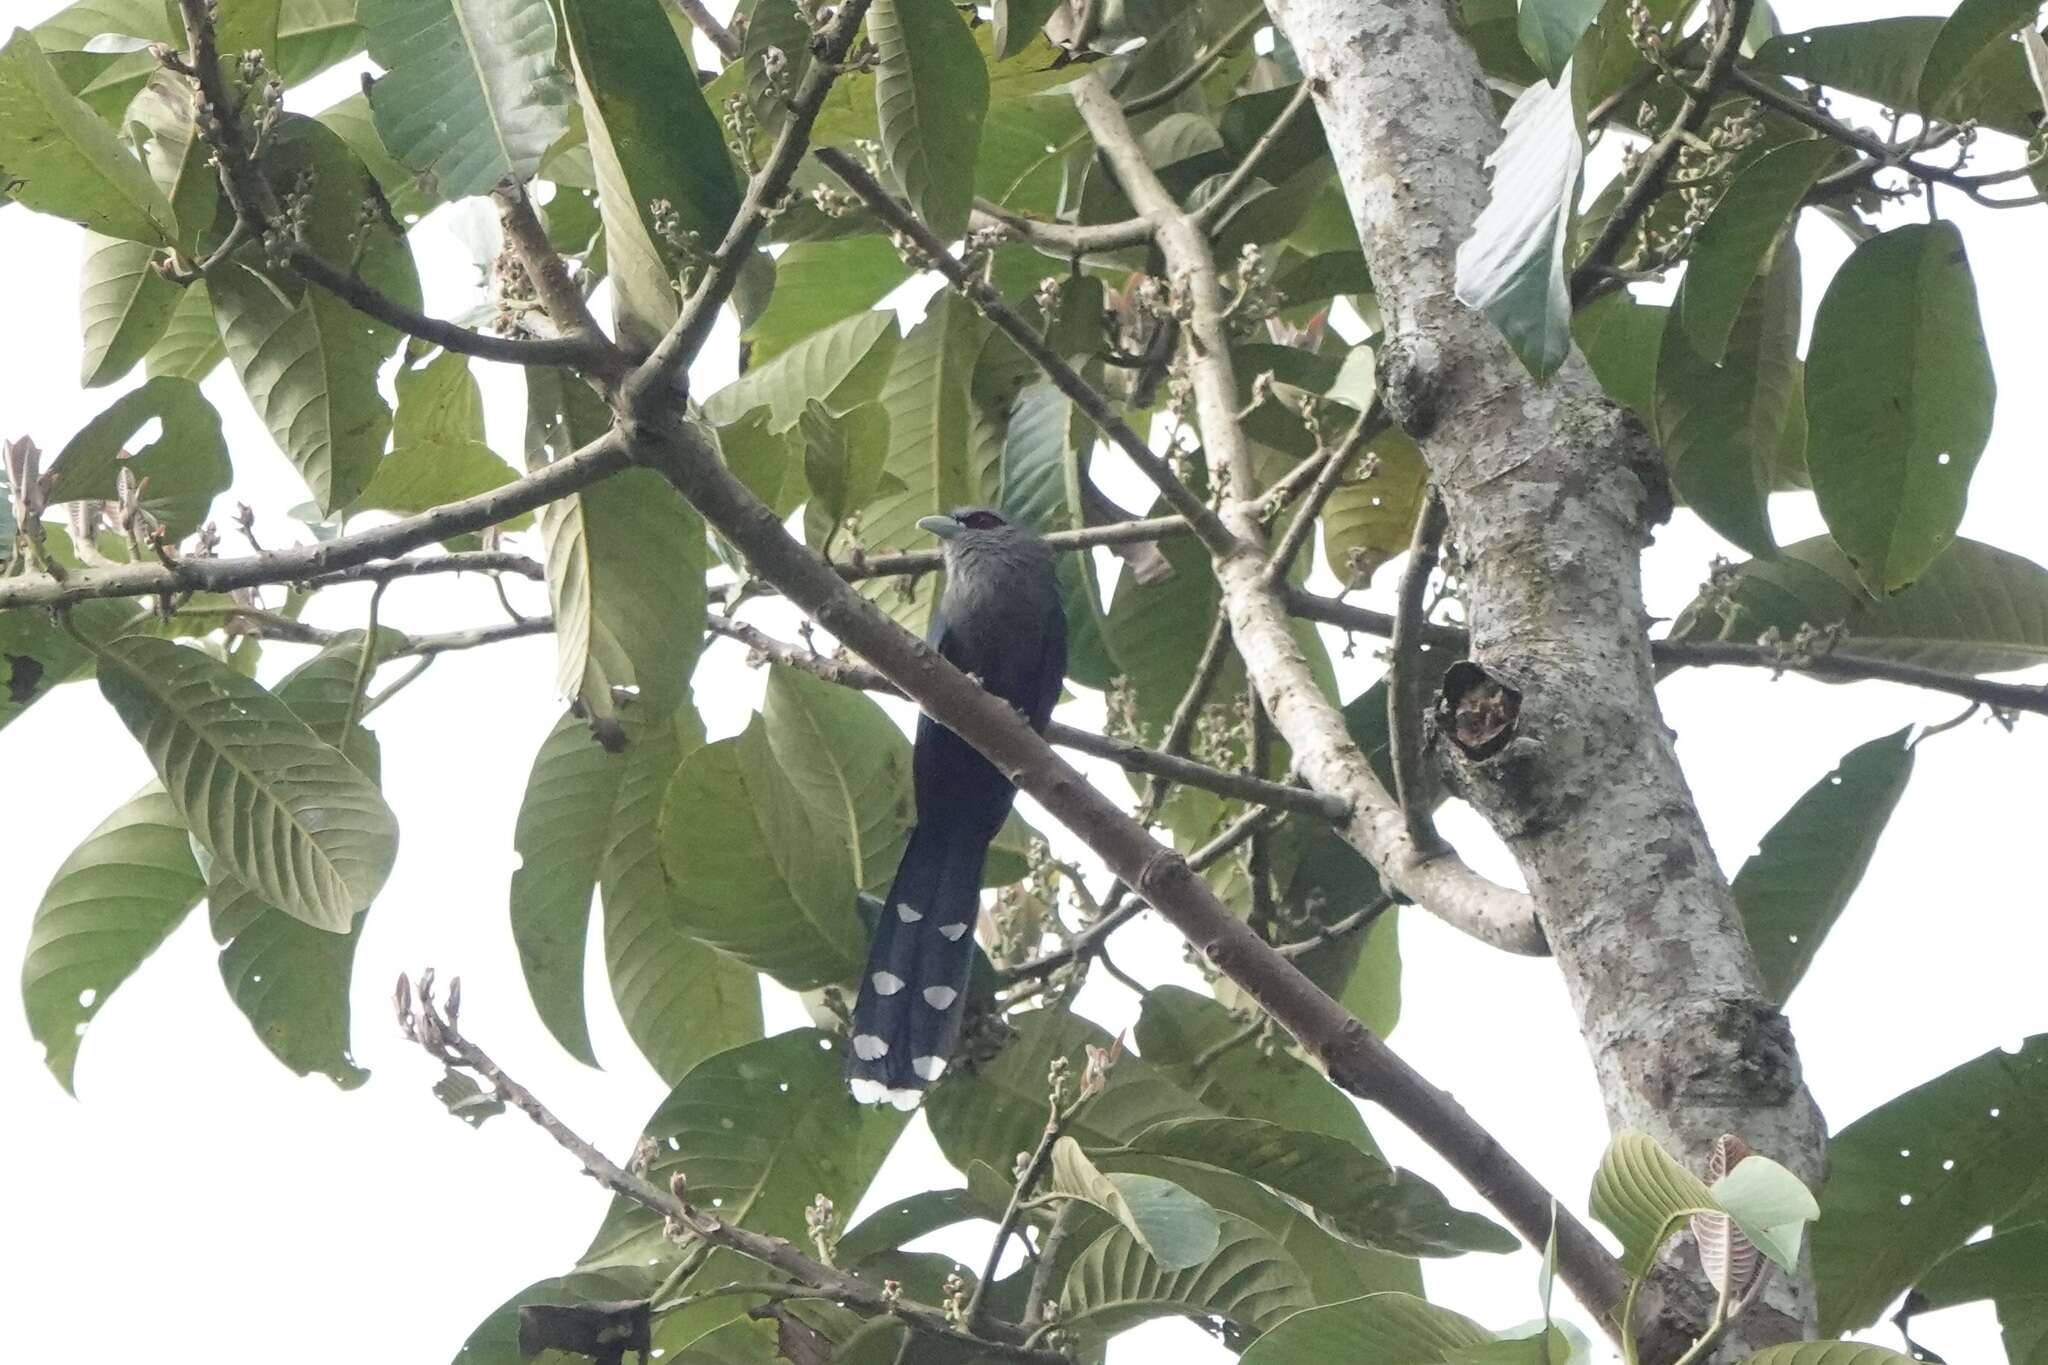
199 1191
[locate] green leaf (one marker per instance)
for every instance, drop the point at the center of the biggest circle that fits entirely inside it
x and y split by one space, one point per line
756 875
1394 1329
1641 1194
1729 250
1974 43
2006 1266
564 825
110 904
62 160
1916 1178
438 452
625 567
1771 1205
931 95
495 1340
819 284
1115 1284
1045 445
1368 521
849 764
842 366
313 35
1620 338
927 396
1018 22
308 360
291 981
1827 1353
843 457
190 347
1977 609
123 307
285 813
653 138
162 119
412 194
769 463
1358 1196
1550 29
1719 424
681 1001
1899 393
470 93
1884 61
887 1229
187 466
1174 1227
1809 864
1513 265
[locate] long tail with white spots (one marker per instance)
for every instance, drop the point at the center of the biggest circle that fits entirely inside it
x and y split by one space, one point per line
913 995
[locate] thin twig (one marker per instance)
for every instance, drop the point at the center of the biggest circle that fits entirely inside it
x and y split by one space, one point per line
1056 1124
366 664
558 293
707 24
1336 929
1302 529
1259 857
1217 204
1204 62
1404 675
1040 1293
1200 516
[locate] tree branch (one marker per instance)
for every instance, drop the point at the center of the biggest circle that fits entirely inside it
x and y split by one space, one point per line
1217 204
435 1029
559 295
1302 529
1202 65
1404 675
707 24
1085 396
1313 727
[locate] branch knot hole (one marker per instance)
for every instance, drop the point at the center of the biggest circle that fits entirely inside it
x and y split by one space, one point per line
1478 712
1410 380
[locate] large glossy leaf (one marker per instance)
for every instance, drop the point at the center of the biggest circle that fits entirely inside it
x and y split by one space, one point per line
179 160
470 93
412 193
756 873
927 396
1513 265
625 569
1977 609
117 897
843 463
190 347
281 810
1915 1178
1719 423
1729 249
842 366
438 453
1899 393
1827 1353
1967 59
908 1219
818 284
931 95
848 763
1154 632
1620 338
124 305
62 160
1809 864
187 466
653 138
1250 1280
1367 521
1360 1197
564 824
1641 1194
1397 1329
313 35
1550 29
681 1001
1884 60
1173 1226
290 980
307 360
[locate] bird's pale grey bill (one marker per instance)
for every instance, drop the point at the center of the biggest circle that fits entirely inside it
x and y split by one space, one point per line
945 528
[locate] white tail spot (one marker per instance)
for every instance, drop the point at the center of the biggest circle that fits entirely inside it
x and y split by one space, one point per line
928 1067
868 1047
868 1092
939 997
951 932
906 1100
908 915
886 983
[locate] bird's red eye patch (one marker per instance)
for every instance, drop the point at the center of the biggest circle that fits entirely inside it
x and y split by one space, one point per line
981 521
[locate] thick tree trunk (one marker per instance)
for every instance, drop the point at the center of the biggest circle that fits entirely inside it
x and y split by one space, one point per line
1555 735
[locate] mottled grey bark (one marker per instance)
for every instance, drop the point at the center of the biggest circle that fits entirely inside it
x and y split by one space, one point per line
1555 733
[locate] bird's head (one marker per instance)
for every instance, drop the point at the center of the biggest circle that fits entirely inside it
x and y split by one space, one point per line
968 524
981 540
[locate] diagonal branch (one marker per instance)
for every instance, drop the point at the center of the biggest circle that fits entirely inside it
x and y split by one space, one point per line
1404 674
1324 752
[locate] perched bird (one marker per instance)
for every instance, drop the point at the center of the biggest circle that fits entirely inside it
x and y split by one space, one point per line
999 619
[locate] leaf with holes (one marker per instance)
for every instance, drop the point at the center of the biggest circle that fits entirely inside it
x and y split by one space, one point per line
470 93
680 1000
1977 609
1250 1280
1916 1177
186 467
1811 861
1719 423
564 822
124 305
284 812
1174 1227
931 95
63 161
1381 1327
110 904
1899 393
1513 266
